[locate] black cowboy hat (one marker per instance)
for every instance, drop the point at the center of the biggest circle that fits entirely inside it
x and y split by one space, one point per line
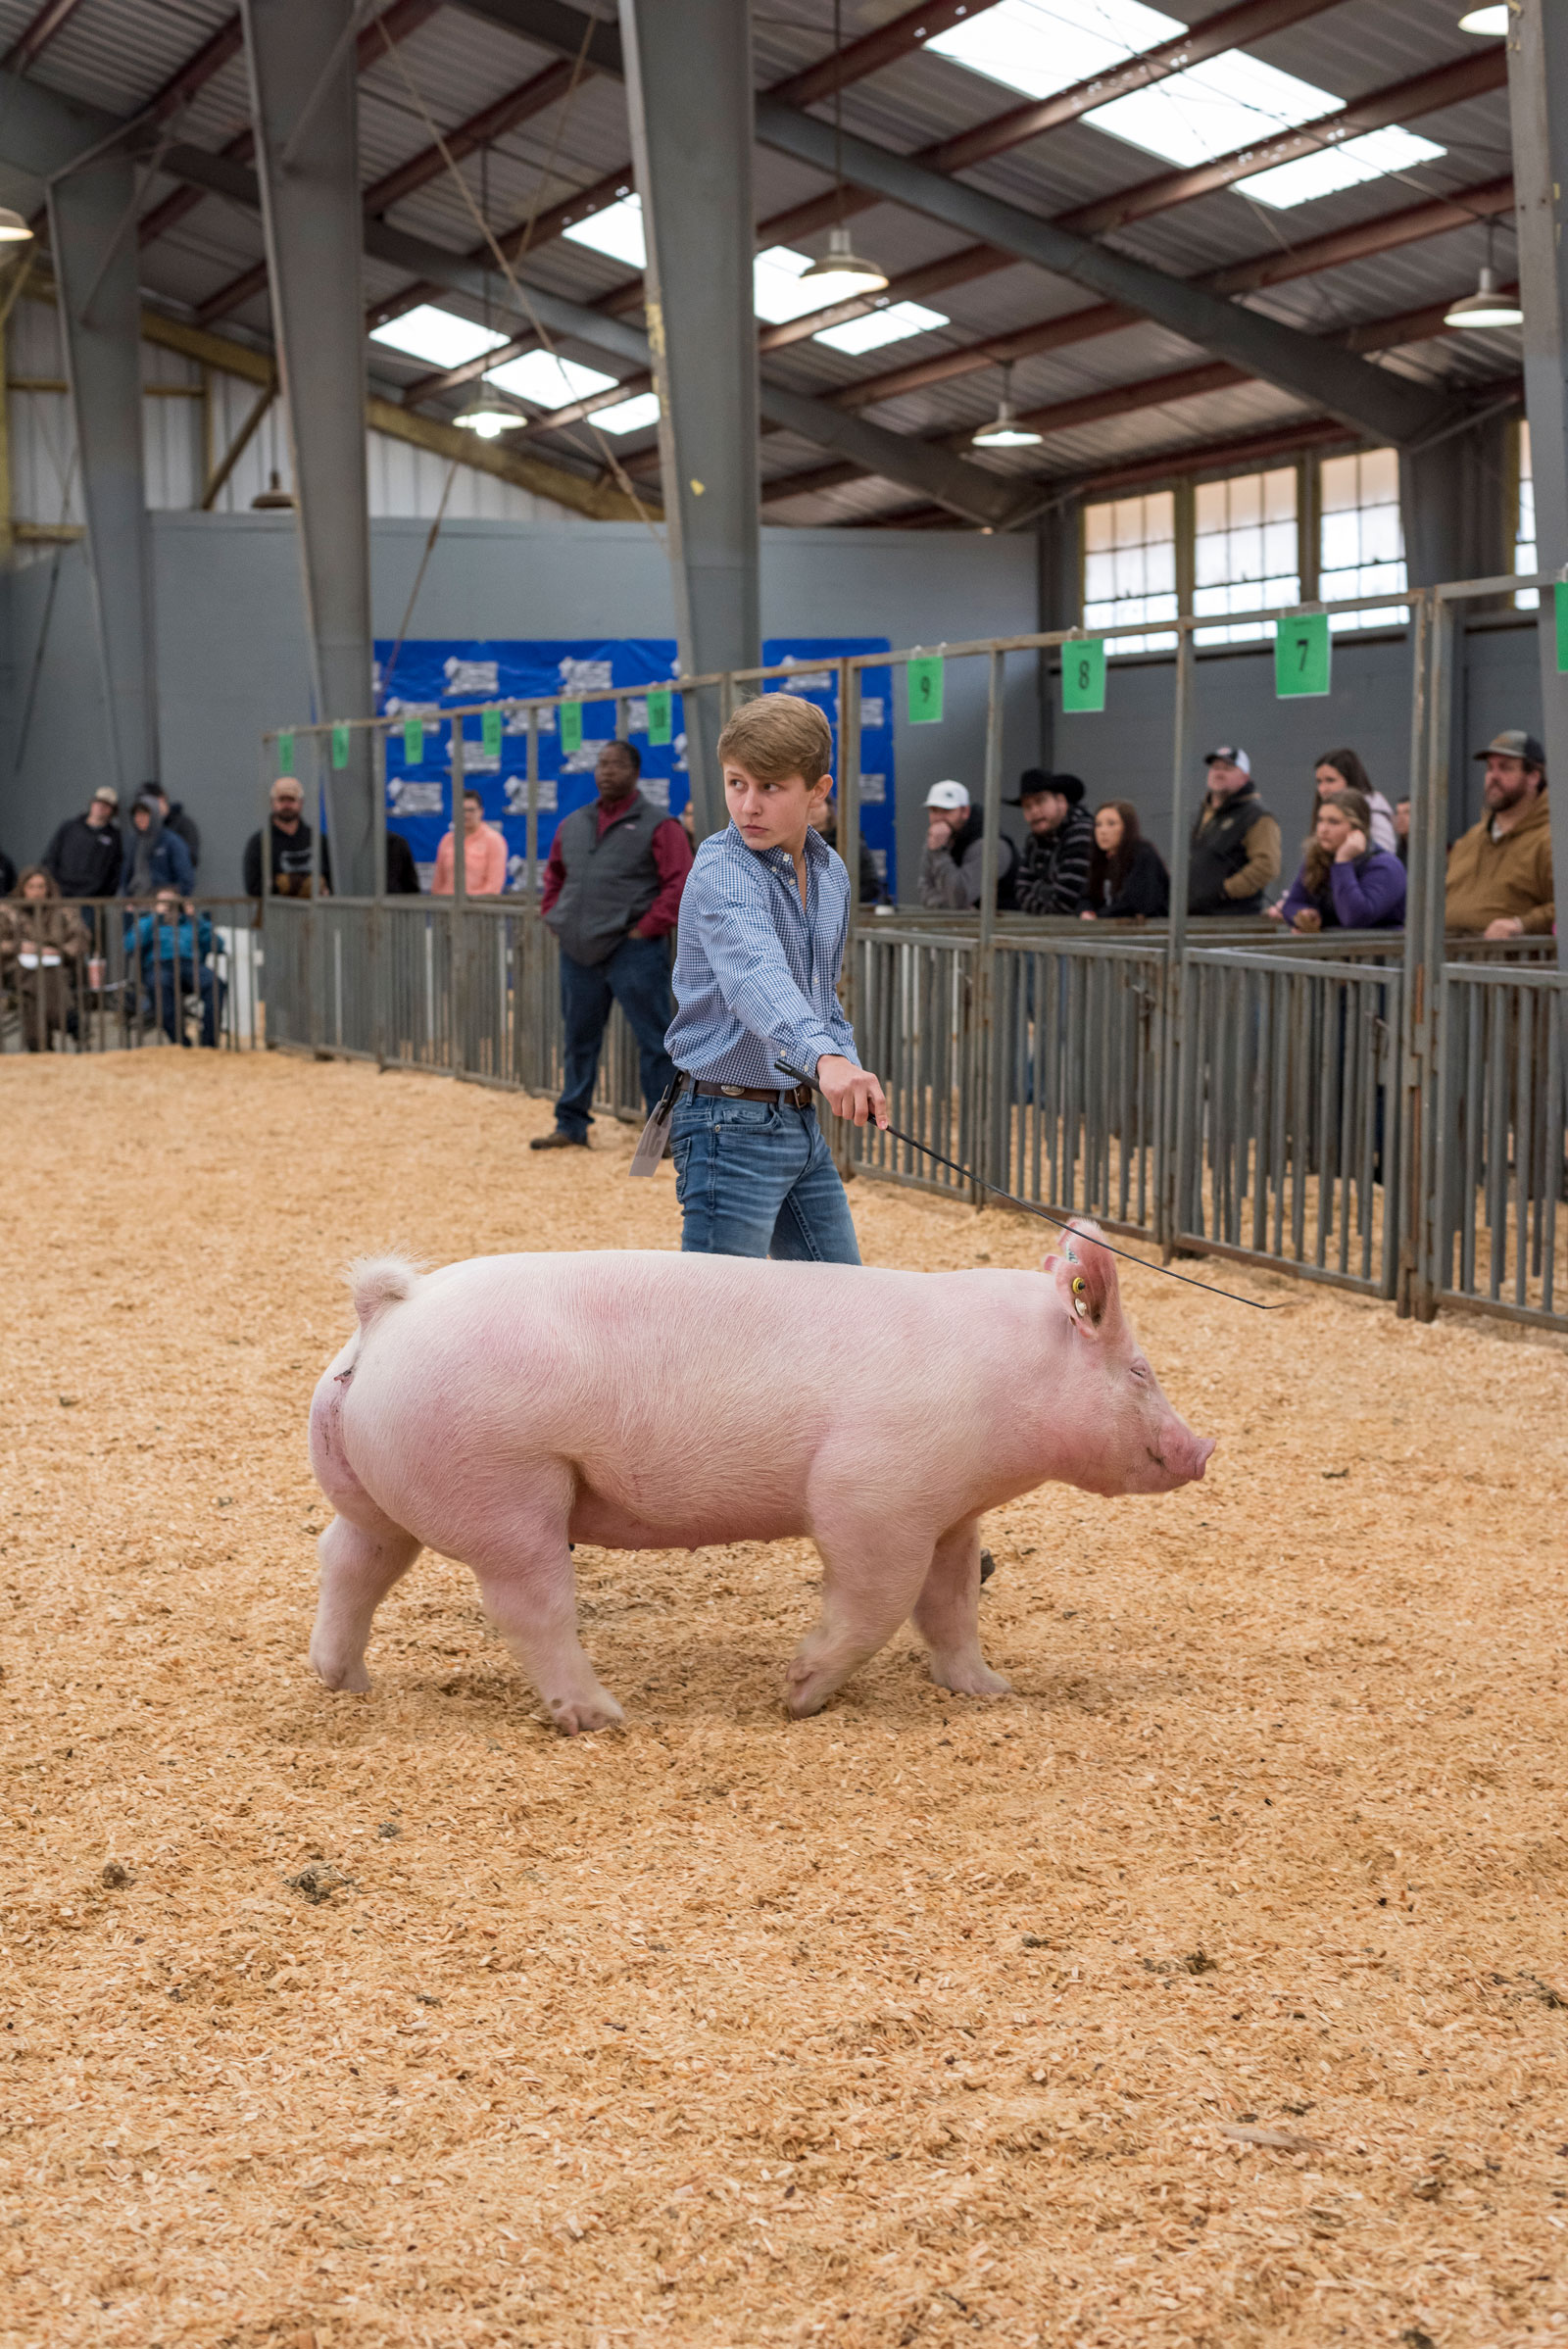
1035 779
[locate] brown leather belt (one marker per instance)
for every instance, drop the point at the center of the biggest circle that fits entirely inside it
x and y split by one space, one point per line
797 1096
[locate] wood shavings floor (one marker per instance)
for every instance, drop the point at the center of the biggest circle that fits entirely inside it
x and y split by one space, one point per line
334 2023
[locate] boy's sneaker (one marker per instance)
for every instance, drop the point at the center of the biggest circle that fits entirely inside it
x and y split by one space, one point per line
560 1140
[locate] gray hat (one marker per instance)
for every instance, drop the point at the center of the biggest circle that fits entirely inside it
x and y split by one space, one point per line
1515 743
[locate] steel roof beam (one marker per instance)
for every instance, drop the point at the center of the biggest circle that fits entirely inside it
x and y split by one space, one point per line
36 37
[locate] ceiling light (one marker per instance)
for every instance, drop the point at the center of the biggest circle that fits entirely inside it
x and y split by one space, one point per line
13 230
841 273
1004 430
488 415
1490 23
1488 306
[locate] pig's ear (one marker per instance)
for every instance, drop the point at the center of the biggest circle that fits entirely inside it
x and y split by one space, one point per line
1086 1282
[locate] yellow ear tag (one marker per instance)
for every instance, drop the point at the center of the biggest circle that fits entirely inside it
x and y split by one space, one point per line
1078 1286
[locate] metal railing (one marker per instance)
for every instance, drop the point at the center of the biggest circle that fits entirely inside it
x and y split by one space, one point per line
1382 1110
109 974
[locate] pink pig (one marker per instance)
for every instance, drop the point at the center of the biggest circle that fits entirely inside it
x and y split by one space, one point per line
501 1409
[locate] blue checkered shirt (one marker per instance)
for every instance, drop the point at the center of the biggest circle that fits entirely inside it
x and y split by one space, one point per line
756 971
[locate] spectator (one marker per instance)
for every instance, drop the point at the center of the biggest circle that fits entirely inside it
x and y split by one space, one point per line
292 843
955 851
1235 842
1500 871
42 944
1342 770
175 820
873 891
153 855
1345 883
484 855
611 894
1401 829
84 856
172 950
8 874
402 873
1054 870
1127 876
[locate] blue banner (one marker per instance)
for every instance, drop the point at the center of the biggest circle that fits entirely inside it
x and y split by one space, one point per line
432 675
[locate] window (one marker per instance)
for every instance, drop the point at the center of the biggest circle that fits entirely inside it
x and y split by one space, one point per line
1130 567
548 382
893 323
629 415
1363 546
1042 46
1528 599
1244 556
617 232
438 336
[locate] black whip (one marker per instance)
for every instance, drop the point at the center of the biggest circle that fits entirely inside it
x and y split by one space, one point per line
1065 1223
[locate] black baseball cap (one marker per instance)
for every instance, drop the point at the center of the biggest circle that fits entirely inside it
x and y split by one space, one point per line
1036 779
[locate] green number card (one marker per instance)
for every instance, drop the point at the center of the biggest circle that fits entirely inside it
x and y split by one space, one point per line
285 754
925 689
490 732
1083 674
340 745
659 715
412 741
1560 601
1302 654
570 726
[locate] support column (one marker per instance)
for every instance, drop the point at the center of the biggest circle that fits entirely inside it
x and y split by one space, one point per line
1059 582
689 95
1452 505
92 233
303 74
1537 105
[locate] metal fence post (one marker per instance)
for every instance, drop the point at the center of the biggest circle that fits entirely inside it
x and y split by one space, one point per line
1424 950
379 920
849 698
986 1085
1172 1173
455 1005
314 941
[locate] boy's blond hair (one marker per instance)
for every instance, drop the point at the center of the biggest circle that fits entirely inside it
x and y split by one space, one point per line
777 736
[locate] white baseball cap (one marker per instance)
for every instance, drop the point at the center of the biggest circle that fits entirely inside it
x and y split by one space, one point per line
1231 755
946 795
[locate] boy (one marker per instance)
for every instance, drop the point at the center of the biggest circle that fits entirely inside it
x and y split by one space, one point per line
762 927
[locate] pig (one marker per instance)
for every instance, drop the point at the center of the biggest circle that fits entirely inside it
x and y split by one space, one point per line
502 1409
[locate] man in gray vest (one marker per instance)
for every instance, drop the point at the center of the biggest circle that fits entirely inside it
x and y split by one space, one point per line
611 895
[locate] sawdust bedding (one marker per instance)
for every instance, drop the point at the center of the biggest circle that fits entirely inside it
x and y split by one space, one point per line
1209 1990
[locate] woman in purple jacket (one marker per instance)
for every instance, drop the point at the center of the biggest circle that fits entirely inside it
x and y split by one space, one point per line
1345 883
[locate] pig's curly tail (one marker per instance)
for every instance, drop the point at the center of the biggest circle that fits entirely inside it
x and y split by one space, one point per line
375 1282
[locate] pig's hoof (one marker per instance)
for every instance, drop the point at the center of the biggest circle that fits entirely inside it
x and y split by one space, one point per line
348 1677
577 1716
970 1680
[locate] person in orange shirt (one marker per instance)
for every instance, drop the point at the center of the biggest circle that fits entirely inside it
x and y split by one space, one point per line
484 855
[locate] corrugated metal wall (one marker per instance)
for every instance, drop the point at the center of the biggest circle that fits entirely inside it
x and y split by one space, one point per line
186 424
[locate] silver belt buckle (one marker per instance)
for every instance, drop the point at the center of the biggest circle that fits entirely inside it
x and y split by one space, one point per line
733 1093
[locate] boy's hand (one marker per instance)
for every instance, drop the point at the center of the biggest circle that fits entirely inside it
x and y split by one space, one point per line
850 1091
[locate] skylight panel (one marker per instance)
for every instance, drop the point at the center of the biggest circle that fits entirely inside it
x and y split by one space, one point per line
437 336
1371 157
777 293
1041 46
1212 109
616 231
629 415
894 324
548 382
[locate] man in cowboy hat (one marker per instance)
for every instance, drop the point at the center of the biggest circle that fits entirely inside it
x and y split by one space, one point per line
1054 870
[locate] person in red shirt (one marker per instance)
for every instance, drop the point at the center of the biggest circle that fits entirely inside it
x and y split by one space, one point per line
611 894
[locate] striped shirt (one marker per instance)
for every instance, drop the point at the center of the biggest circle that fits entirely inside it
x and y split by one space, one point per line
755 972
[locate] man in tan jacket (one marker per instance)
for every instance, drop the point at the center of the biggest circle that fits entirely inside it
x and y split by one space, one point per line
1500 871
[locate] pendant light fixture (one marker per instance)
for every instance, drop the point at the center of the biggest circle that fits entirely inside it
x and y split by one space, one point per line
484 412
13 230
1488 306
1004 430
1490 23
842 274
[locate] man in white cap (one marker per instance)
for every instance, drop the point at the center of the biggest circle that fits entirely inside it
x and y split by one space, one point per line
954 852
85 853
1235 842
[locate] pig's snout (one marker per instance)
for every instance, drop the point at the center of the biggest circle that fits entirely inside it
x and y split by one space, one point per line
1202 1449
1181 1458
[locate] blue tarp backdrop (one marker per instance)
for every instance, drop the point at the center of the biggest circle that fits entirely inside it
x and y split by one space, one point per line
433 674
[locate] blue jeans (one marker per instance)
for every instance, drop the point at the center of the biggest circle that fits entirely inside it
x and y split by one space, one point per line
755 1181
637 978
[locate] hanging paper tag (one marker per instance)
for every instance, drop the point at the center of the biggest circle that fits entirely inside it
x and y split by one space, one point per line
924 672
490 732
340 745
1083 674
1302 654
412 741
658 717
285 754
1559 595
570 726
